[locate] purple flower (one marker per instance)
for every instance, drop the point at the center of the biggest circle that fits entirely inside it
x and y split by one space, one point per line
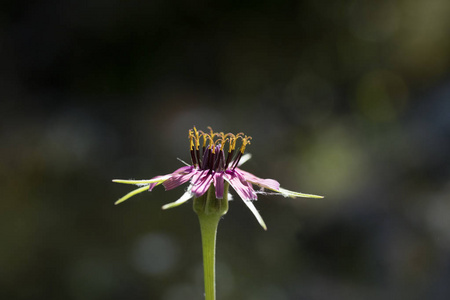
215 160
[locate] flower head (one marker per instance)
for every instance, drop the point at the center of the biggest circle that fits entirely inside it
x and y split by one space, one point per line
216 158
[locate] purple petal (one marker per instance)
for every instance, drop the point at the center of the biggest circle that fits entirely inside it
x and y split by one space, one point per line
243 188
152 185
265 183
176 180
249 185
201 183
185 169
198 174
181 171
218 184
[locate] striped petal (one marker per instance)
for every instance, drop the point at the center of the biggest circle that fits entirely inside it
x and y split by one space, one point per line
201 183
176 180
218 184
265 183
241 187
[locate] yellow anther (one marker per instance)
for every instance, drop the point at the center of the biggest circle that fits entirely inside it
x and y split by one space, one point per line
211 142
220 141
223 142
213 139
196 132
204 140
245 142
211 132
233 140
191 139
196 138
221 135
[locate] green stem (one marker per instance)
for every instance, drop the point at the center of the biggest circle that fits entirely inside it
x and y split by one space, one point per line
209 210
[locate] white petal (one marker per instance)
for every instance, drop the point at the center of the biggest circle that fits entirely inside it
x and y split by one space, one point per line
244 159
186 196
255 212
131 194
292 194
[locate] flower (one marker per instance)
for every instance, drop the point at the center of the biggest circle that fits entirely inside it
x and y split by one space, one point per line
209 166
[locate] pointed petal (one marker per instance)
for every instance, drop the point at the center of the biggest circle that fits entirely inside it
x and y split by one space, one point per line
244 190
218 184
273 185
131 194
270 184
255 213
144 181
186 196
244 159
151 186
185 169
287 193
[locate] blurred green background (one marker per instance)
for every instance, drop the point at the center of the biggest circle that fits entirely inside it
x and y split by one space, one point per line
346 99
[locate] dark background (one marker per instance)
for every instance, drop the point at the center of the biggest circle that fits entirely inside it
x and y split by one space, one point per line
346 99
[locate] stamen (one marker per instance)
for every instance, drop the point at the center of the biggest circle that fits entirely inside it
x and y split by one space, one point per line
218 160
191 139
211 143
211 161
193 158
196 138
233 140
224 141
245 142
205 159
212 156
205 138
229 157
236 161
197 153
211 132
191 144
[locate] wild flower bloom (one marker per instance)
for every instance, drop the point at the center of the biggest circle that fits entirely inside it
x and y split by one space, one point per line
215 159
